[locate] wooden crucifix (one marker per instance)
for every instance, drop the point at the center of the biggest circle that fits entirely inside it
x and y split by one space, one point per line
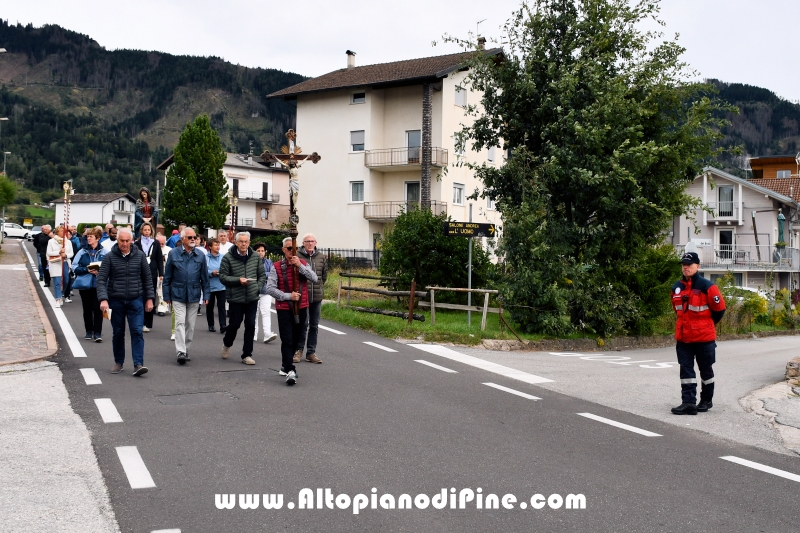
292 158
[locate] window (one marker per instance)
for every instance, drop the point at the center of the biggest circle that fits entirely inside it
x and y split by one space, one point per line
492 154
725 208
490 204
458 194
459 150
356 191
784 173
357 141
461 96
264 213
358 98
413 142
121 206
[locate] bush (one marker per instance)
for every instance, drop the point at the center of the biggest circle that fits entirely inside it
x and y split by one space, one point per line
417 249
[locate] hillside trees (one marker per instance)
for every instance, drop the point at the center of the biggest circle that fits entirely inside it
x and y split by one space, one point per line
604 134
195 188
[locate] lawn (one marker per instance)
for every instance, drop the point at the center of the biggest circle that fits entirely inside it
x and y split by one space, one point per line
39 212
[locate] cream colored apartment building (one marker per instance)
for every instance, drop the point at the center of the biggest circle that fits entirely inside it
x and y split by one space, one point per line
368 125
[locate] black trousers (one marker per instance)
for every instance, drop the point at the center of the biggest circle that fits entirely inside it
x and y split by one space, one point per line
290 333
92 316
148 315
218 298
705 353
236 313
45 268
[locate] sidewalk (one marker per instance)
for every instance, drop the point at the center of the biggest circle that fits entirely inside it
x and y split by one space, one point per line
51 480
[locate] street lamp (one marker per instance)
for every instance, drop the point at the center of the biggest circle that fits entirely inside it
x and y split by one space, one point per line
2 119
5 155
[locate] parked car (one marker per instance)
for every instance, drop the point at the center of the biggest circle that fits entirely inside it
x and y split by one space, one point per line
14 230
36 230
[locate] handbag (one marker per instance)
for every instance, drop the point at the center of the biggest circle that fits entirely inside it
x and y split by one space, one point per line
83 282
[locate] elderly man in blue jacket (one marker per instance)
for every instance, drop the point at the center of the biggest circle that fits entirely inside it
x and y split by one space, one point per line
185 281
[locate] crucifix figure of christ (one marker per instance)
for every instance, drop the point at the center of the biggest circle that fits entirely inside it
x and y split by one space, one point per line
292 158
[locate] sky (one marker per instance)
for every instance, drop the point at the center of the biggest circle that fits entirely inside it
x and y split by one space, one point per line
745 41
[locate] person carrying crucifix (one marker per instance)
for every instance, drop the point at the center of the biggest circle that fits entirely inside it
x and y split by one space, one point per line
281 286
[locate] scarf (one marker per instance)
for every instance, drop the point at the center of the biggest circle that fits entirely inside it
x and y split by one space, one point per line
146 242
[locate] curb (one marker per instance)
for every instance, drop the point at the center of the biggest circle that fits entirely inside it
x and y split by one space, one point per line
52 345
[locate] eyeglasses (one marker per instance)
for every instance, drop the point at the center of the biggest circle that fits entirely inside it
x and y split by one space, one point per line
288 248
192 237
309 241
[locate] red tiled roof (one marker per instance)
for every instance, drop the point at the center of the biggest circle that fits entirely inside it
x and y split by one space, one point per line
786 186
408 71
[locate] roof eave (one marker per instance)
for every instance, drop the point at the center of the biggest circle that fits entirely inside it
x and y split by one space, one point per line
746 183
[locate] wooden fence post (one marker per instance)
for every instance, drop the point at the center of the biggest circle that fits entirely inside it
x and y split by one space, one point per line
485 310
411 302
433 308
339 294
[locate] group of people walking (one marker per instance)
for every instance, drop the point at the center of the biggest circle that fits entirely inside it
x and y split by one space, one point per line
129 280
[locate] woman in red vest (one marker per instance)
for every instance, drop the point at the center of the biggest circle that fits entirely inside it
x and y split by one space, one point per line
280 285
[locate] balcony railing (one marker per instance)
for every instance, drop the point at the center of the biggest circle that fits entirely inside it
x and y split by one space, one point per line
403 157
748 257
391 210
244 222
724 210
258 195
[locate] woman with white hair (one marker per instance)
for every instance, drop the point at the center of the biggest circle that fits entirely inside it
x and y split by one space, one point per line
58 257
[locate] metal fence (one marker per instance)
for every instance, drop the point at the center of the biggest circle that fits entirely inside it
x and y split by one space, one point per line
748 257
350 258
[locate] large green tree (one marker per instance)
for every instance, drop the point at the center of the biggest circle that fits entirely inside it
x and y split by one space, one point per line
603 132
7 191
195 191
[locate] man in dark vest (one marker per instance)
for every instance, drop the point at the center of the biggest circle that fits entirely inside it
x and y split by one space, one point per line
280 285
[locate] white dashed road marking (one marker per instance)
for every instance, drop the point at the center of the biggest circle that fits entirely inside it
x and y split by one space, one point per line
763 468
378 346
326 328
138 475
620 425
512 391
443 369
74 344
90 376
107 410
480 363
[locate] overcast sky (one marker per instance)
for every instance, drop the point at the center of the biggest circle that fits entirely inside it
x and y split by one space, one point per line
747 41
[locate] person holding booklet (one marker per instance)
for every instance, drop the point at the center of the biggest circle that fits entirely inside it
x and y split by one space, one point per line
152 251
86 266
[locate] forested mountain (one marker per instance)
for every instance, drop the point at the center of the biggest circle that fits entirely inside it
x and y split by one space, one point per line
107 118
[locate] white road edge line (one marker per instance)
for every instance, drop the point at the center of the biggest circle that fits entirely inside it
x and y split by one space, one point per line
326 328
138 475
443 369
512 391
378 346
166 531
620 425
480 363
90 376
74 344
108 412
763 468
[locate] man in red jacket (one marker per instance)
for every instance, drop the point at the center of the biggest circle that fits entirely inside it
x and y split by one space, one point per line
699 306
280 285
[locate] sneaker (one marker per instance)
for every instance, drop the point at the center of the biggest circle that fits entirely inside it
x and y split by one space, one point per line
67 300
139 370
89 336
199 312
172 337
187 356
145 329
181 358
226 351
704 406
248 360
212 329
685 409
291 377
271 337
117 369
282 372
98 338
297 356
58 302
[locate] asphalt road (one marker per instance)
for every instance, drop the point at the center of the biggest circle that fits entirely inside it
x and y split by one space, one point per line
369 419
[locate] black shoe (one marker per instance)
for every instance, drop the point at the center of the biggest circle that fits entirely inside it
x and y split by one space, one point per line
182 358
685 409
222 329
199 312
212 329
704 406
46 284
139 370
89 336
98 338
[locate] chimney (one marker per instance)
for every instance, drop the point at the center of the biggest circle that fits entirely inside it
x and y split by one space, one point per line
351 59
481 43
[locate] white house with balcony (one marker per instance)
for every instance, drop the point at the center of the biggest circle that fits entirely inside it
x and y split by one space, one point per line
260 190
101 208
740 231
386 134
